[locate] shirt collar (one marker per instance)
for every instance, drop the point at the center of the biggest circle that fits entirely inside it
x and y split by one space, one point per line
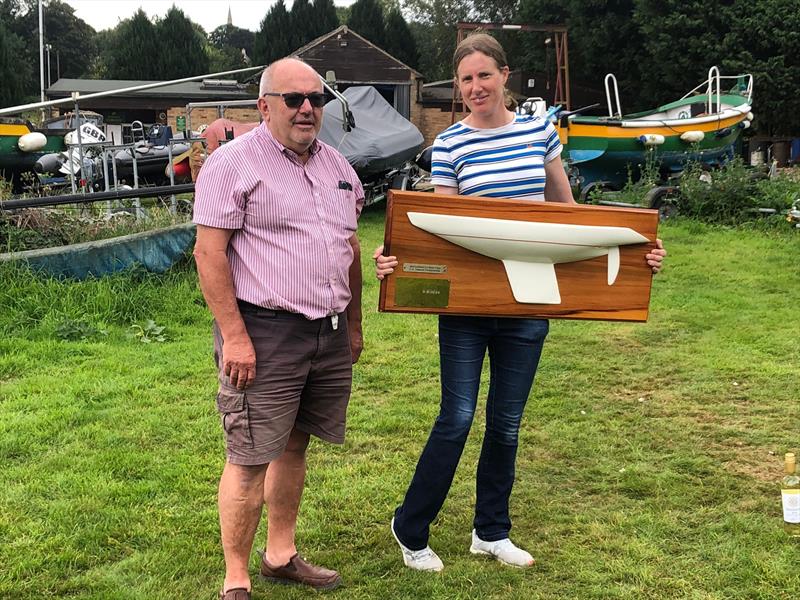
312 150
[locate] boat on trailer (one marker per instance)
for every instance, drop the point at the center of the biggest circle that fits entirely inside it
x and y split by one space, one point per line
701 126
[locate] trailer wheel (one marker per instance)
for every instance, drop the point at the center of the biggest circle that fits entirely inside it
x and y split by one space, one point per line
600 186
400 181
663 199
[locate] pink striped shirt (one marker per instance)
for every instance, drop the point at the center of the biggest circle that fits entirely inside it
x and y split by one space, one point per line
290 250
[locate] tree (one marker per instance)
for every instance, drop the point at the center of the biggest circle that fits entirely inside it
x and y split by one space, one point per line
327 19
234 37
230 48
366 19
72 41
9 11
274 39
134 50
603 38
434 29
304 23
342 14
182 46
13 73
399 41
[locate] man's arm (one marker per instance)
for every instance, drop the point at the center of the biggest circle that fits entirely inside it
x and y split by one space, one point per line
216 283
354 308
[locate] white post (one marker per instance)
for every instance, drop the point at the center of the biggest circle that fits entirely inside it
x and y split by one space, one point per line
41 52
48 47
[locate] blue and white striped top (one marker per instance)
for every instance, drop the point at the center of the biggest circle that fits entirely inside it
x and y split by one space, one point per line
503 162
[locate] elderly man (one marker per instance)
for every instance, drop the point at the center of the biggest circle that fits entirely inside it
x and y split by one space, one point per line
279 266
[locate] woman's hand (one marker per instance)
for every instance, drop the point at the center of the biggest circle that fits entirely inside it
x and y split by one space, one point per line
384 265
654 258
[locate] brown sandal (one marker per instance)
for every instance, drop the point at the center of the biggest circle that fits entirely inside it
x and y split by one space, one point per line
235 594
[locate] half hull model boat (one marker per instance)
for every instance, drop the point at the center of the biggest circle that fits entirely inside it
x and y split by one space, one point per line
701 126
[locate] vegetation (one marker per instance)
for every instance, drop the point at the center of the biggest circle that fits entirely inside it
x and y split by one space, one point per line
283 32
733 194
399 42
13 74
648 464
181 47
366 19
31 229
72 42
230 48
274 39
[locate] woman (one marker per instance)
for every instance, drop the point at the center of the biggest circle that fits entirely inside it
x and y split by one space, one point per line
497 153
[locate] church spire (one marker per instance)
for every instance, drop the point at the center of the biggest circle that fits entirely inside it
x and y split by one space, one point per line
230 19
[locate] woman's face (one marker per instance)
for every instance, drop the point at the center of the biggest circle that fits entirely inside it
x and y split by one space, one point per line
481 83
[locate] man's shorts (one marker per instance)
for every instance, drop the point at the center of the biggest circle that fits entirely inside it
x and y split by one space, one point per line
303 380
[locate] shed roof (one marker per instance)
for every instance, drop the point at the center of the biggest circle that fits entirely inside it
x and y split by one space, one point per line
344 32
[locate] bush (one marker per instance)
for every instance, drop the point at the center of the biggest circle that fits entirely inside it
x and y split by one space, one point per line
733 194
778 192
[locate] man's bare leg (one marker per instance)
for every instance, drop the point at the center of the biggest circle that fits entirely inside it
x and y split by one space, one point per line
241 496
283 490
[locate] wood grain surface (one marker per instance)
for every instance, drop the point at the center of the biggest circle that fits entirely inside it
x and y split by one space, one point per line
479 284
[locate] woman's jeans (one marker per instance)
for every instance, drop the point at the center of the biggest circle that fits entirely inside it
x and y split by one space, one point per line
515 346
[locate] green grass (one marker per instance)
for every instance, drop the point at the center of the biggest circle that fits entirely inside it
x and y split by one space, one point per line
647 467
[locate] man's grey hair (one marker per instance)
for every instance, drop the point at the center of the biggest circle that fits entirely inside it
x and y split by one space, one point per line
266 77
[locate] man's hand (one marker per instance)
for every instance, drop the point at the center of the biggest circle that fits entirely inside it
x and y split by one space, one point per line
239 362
356 340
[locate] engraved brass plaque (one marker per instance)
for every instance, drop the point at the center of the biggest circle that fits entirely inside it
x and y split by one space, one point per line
419 292
423 268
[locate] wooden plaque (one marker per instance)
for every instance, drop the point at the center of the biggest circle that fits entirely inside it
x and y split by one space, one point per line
495 257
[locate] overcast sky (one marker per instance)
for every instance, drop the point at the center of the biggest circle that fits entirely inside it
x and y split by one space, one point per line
104 14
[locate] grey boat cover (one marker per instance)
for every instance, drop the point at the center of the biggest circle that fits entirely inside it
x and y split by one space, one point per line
382 138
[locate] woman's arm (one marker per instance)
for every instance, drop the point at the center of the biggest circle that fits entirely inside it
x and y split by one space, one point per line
556 186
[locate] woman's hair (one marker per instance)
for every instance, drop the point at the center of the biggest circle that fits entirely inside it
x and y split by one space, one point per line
483 43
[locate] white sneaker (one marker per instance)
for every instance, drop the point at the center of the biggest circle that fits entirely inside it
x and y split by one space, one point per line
503 550
421 560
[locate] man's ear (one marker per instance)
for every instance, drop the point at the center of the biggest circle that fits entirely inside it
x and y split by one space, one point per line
263 109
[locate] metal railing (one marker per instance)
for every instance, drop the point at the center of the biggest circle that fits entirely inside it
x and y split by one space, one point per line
714 82
611 113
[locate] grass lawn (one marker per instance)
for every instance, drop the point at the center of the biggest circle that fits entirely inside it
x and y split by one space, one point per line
648 461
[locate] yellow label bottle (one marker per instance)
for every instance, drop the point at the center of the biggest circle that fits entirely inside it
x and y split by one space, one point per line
790 496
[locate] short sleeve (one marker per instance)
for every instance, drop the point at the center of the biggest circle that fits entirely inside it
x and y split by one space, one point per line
553 144
443 170
359 190
219 199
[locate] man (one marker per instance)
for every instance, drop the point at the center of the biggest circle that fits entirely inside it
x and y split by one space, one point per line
279 266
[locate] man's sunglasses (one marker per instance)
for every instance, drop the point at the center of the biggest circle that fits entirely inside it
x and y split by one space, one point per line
296 99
